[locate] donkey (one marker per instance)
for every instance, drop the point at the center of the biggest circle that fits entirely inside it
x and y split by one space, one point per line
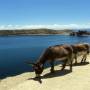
81 49
51 54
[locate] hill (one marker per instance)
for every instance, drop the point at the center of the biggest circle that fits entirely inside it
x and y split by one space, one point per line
34 32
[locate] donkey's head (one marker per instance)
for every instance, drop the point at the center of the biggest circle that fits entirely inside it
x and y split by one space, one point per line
38 68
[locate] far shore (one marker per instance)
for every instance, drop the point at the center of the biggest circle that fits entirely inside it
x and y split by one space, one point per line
34 32
34 35
39 32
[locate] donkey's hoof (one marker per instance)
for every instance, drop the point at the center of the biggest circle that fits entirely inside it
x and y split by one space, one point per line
70 70
52 71
62 69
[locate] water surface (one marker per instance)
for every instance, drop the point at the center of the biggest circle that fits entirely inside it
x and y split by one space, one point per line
15 50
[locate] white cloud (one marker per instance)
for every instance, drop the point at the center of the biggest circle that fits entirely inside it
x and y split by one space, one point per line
53 26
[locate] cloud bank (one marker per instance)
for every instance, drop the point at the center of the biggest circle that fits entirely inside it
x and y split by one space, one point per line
53 26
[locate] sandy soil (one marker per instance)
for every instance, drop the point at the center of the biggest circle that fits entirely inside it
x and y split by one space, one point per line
79 79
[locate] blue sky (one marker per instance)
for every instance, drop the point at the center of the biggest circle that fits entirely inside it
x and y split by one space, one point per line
44 12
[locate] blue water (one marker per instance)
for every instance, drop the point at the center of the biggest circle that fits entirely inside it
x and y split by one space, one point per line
15 50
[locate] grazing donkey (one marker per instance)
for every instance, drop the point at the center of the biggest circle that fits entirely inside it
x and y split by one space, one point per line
58 52
81 49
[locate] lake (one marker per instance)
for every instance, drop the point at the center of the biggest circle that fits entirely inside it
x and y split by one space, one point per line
15 50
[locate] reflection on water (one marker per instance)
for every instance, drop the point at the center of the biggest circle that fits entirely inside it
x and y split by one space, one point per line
15 50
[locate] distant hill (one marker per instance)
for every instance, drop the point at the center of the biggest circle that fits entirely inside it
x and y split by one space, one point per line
34 32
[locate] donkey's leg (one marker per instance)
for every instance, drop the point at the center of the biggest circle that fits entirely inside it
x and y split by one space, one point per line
71 60
84 58
75 58
64 64
52 66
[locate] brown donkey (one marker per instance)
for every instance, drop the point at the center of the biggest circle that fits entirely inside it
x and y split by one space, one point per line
58 52
81 49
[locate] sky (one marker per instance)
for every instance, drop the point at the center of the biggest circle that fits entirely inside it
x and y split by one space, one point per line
44 13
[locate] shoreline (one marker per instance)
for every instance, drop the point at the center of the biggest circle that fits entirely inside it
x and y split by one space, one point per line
35 35
78 79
